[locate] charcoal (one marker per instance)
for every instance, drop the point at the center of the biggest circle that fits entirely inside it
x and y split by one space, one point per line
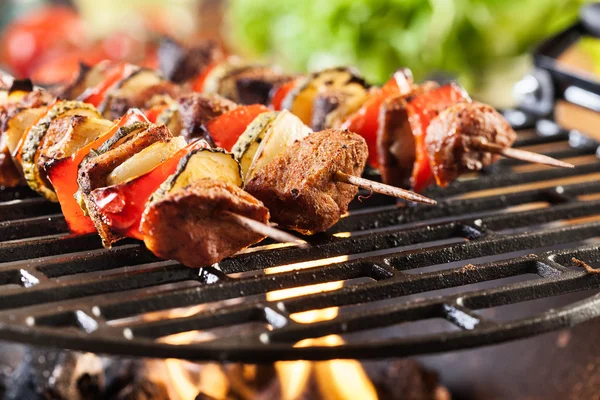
403 380
144 389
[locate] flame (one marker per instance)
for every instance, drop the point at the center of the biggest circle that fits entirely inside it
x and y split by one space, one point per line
184 379
336 379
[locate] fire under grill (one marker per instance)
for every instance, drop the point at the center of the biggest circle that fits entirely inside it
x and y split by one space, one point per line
514 234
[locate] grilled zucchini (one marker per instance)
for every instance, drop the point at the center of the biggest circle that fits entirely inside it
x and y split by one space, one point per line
343 80
35 135
212 83
77 133
19 123
207 163
134 84
247 144
282 132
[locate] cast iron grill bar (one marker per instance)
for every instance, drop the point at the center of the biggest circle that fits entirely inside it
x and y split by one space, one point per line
63 290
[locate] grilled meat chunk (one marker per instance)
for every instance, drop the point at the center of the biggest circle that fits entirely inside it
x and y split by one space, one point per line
196 109
180 63
95 169
395 139
298 185
10 175
453 135
188 225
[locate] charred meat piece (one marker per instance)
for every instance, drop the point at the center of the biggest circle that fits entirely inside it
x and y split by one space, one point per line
95 169
298 185
453 135
395 139
188 225
180 63
252 84
10 175
196 109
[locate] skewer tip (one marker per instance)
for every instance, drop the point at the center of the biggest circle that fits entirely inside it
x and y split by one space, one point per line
382 188
523 155
266 230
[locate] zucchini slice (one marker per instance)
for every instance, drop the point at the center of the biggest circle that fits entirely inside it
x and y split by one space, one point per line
207 163
122 135
247 144
18 124
35 135
145 160
212 83
87 79
170 117
80 132
281 133
345 80
133 84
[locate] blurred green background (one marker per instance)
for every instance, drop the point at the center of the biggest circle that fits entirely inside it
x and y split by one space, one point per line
484 43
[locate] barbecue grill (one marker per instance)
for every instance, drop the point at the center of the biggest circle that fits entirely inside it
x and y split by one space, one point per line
399 264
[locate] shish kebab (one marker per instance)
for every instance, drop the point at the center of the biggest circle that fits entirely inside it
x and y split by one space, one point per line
57 140
223 123
394 119
216 215
114 88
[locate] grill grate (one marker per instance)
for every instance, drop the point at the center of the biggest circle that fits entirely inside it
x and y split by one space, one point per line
398 265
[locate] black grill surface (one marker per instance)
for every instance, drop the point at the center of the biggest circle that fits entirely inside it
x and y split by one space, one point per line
396 266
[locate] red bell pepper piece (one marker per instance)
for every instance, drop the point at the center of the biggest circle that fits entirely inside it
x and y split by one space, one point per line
365 121
280 93
63 176
198 84
421 110
115 74
225 129
154 112
122 205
